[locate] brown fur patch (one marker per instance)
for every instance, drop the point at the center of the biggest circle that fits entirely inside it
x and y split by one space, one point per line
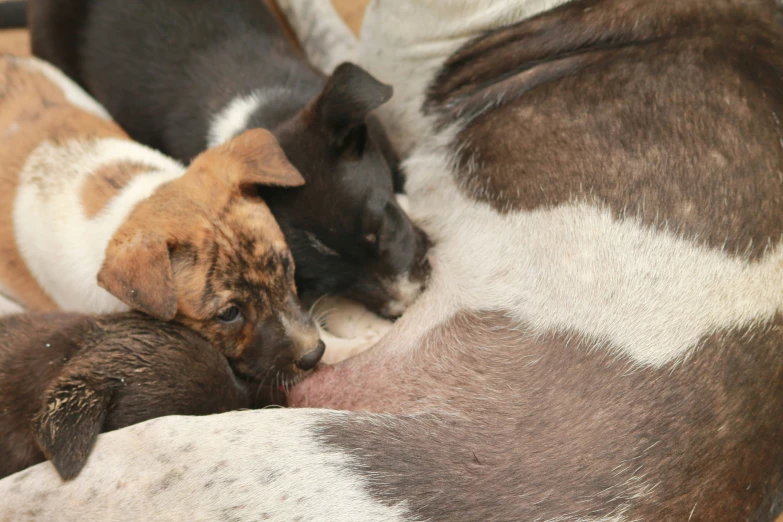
106 183
32 110
545 425
666 111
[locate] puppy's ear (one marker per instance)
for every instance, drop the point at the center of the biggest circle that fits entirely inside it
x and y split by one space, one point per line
348 97
137 271
259 160
70 420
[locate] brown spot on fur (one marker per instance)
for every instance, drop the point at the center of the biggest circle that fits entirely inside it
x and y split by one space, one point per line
106 183
32 110
665 111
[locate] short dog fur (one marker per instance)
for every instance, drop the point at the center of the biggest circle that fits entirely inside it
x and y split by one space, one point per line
210 69
64 378
93 222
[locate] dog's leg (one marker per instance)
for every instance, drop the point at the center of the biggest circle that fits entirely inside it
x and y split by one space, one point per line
325 38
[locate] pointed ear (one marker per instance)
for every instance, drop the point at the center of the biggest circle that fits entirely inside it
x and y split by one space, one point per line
137 271
260 160
348 97
70 420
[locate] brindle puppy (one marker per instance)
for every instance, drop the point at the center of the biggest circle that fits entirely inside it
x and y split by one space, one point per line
64 378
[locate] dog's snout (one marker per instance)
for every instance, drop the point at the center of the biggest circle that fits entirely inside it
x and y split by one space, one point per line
311 358
303 337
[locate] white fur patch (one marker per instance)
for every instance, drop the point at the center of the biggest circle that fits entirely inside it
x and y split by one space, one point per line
64 249
574 268
405 292
72 92
186 468
234 117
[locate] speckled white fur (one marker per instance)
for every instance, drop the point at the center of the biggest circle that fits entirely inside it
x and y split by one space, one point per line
246 466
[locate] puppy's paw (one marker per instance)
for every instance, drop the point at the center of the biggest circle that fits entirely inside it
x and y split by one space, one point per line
339 349
350 320
348 328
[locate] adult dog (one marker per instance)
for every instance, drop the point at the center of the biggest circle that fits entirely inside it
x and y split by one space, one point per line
601 337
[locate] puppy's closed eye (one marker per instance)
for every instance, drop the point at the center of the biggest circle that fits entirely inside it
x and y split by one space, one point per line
71 418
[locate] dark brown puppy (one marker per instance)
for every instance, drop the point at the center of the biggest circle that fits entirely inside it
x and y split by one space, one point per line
65 378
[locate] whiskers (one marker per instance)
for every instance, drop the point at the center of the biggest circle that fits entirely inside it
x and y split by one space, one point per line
274 387
321 310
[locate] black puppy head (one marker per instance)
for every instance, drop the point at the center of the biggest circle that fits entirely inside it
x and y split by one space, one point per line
346 230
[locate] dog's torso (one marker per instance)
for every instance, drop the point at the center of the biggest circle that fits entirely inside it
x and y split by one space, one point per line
71 177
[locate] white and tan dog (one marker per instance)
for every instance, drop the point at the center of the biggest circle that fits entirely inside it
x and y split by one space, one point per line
94 222
601 337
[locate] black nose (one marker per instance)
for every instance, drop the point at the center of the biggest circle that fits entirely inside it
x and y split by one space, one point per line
310 359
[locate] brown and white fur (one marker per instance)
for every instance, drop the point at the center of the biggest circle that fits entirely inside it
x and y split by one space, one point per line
93 222
601 337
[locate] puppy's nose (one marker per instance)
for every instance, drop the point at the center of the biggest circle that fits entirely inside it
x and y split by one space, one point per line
310 359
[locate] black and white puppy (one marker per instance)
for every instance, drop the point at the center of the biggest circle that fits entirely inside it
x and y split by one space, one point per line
64 378
182 75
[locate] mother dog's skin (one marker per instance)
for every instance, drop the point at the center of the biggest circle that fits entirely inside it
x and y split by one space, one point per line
601 339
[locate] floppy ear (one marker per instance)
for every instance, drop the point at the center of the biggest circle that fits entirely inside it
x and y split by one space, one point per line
261 160
137 271
70 420
348 97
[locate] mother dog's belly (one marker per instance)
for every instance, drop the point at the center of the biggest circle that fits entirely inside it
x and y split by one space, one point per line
637 293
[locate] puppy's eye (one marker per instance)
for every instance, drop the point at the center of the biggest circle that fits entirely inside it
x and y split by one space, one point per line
288 265
230 315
